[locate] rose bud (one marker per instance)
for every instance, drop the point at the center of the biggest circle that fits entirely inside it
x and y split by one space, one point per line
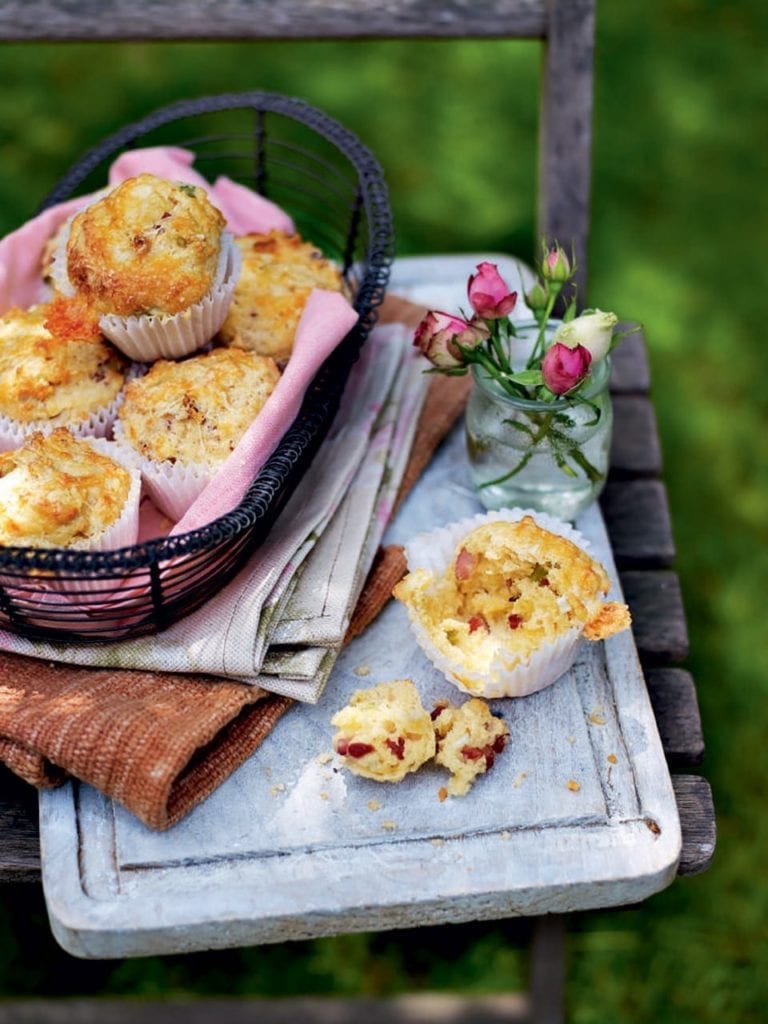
489 294
438 334
555 265
594 331
563 367
536 298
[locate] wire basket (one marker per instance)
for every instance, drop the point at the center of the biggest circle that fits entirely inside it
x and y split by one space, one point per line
332 186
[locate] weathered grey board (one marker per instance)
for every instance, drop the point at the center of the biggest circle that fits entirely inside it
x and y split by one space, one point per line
292 846
286 19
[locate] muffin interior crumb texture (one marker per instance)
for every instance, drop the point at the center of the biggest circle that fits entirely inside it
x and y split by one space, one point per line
511 587
469 738
384 732
58 491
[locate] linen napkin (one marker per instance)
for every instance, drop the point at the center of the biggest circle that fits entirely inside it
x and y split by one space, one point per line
156 742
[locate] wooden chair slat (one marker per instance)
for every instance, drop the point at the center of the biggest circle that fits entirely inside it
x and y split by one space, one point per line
676 707
636 515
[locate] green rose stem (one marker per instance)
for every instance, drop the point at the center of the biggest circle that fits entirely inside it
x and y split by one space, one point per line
543 317
545 430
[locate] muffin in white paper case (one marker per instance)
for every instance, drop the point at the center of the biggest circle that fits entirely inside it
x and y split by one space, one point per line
165 336
183 419
60 491
152 257
499 602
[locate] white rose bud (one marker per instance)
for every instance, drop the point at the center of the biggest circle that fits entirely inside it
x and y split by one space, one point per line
592 330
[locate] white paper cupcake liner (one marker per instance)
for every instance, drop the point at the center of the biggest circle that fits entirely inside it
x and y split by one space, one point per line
125 529
123 532
172 486
147 338
506 676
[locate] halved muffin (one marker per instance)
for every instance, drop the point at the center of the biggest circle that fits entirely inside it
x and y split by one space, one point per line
500 605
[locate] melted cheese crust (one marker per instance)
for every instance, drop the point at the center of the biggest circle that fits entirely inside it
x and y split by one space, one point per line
58 491
149 247
511 587
279 272
384 732
196 410
45 375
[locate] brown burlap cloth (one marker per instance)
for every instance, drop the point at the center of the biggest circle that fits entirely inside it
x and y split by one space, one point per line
159 743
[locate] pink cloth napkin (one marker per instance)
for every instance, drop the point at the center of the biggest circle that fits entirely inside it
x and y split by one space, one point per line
21 251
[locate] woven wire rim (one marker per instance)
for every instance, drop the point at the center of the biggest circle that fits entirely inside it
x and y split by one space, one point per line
322 392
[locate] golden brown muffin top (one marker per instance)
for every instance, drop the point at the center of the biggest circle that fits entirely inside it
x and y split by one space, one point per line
196 410
150 246
278 274
58 491
53 364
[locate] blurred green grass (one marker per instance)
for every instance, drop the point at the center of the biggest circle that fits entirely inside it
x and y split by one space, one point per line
680 224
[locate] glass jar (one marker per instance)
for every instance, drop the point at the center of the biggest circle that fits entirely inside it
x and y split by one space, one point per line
548 456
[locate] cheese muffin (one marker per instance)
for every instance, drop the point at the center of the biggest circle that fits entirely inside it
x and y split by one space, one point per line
60 491
279 271
468 740
56 369
183 419
152 258
500 608
384 732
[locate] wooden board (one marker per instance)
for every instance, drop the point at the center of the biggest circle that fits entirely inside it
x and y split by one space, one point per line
579 812
292 846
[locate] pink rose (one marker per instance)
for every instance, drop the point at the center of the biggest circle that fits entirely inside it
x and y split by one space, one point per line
489 294
438 334
563 367
555 265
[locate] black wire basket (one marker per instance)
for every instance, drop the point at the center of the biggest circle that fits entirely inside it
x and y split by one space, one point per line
332 186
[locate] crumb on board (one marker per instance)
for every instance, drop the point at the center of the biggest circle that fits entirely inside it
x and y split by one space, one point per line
570 739
362 670
389 826
573 785
437 842
442 794
324 795
505 835
324 758
597 718
373 805
279 787
519 779
612 759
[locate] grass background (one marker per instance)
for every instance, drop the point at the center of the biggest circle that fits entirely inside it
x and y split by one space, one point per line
680 226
